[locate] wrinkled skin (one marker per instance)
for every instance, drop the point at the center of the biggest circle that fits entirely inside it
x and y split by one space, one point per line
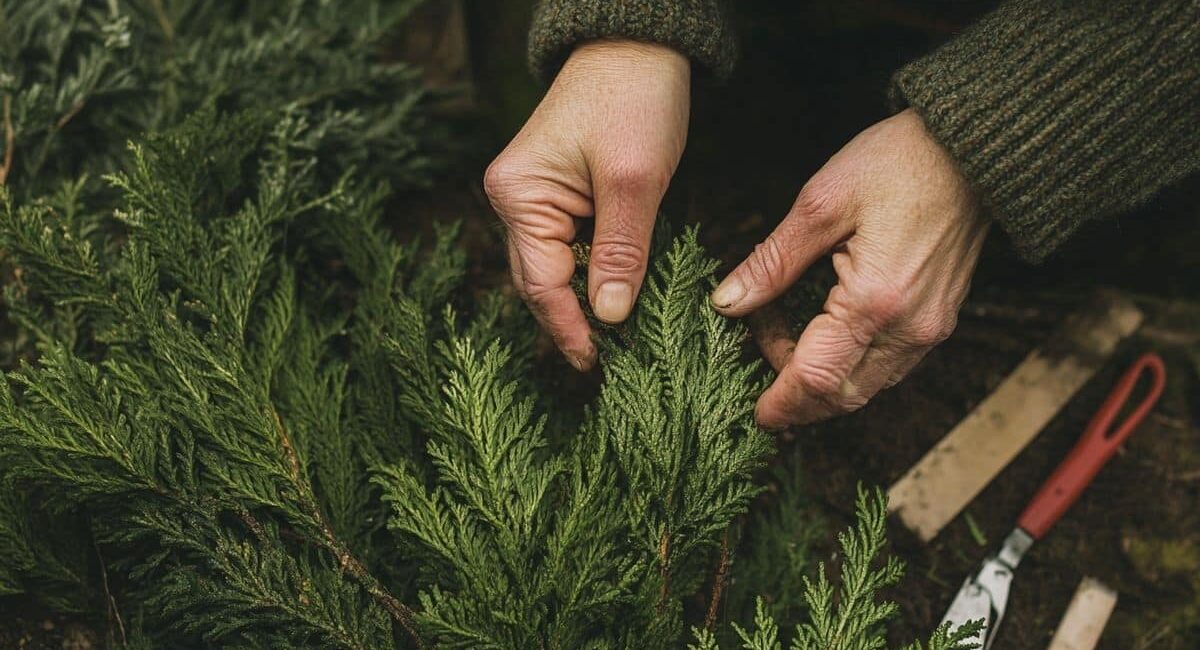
602 144
902 224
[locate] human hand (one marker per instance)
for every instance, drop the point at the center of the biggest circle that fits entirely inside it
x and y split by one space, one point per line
905 230
603 143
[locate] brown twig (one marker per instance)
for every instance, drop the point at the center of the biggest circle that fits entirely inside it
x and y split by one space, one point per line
399 612
718 589
164 23
664 555
10 138
113 612
70 114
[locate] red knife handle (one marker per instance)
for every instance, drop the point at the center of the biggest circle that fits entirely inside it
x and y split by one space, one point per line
1097 444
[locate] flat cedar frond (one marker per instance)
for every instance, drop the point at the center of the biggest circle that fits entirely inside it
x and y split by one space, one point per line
678 409
565 548
177 433
237 412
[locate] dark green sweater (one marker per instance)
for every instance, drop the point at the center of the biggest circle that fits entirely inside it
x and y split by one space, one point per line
1058 111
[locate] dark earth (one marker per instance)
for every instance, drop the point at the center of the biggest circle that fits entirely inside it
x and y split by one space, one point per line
812 75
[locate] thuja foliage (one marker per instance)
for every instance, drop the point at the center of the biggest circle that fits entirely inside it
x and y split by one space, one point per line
81 77
279 430
847 616
78 80
240 413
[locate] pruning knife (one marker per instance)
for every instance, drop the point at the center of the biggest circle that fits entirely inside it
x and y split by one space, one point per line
983 596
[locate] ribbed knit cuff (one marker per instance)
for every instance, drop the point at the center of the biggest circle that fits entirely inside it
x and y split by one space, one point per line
1066 110
697 28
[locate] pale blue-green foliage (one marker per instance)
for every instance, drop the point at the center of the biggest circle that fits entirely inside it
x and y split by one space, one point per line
848 616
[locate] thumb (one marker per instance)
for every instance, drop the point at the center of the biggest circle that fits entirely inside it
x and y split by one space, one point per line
626 209
809 231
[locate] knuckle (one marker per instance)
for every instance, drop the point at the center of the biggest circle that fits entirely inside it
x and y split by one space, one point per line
537 292
500 176
618 253
822 382
886 303
932 331
767 263
816 203
638 176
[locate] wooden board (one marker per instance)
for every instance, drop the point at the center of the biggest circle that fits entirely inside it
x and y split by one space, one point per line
951 474
1086 617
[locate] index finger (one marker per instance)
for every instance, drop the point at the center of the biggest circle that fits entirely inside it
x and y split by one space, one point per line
542 271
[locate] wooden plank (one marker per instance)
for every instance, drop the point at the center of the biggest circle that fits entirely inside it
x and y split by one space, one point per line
951 474
1086 616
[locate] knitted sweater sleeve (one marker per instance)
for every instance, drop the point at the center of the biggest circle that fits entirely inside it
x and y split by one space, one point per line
1061 111
697 28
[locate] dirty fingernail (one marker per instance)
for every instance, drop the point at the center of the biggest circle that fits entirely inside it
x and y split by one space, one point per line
729 293
582 360
613 302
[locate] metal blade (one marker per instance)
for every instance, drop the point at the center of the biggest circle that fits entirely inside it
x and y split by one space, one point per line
984 595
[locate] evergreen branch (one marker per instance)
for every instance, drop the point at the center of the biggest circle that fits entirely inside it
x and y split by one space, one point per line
854 620
399 612
766 632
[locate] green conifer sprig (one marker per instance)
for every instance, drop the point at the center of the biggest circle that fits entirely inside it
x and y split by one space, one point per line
848 617
678 411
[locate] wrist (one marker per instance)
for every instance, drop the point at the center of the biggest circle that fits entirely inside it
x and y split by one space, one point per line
622 56
948 168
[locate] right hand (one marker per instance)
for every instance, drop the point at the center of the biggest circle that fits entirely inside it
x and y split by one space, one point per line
603 143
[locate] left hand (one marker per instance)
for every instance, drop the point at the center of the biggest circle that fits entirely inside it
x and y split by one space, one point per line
905 229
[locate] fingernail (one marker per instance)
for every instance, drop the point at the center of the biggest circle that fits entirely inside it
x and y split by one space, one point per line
729 293
583 361
613 302
766 424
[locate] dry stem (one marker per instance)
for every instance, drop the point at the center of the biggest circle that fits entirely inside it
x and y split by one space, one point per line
718 583
399 612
